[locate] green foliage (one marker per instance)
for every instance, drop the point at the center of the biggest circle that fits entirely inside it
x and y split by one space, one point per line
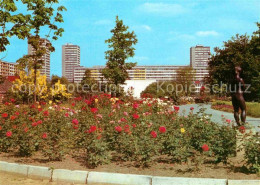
252 153
120 49
55 79
243 51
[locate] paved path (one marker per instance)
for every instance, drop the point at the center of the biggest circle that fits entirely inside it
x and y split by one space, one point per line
216 114
14 179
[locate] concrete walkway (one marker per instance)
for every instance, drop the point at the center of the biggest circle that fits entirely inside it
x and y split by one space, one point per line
217 115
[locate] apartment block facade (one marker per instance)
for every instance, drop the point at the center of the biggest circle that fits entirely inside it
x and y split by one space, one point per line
199 59
8 69
70 60
45 70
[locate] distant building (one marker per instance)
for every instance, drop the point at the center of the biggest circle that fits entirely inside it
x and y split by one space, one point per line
70 60
8 69
199 59
45 70
152 72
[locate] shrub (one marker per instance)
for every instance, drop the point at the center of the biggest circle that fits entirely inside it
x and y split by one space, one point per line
252 153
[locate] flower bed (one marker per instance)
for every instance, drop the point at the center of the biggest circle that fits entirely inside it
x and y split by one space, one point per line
104 129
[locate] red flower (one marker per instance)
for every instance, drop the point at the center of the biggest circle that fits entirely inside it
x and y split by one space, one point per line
8 134
75 121
12 100
123 120
99 136
136 116
66 114
73 104
46 113
162 129
39 122
40 109
176 108
94 110
242 129
88 102
205 147
0 127
93 128
12 117
6 103
202 88
118 128
4 115
17 113
34 124
135 105
153 134
127 128
26 129
228 120
191 108
44 135
133 125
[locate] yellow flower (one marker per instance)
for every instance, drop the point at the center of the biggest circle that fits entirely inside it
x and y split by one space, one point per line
182 130
39 107
50 102
96 100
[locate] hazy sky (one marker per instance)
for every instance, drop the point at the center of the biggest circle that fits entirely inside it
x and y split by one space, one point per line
165 29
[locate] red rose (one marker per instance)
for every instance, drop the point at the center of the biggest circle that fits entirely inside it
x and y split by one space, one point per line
44 135
162 129
133 125
93 128
228 120
123 120
12 117
26 129
17 113
12 100
66 114
205 147
153 134
202 88
242 129
135 105
4 115
73 104
0 127
191 108
8 134
176 108
75 121
34 124
136 116
127 128
46 113
118 128
6 103
94 110
88 102
39 122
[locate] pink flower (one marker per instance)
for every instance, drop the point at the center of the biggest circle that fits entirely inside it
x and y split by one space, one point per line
228 120
135 105
118 128
112 121
125 113
123 120
153 134
8 134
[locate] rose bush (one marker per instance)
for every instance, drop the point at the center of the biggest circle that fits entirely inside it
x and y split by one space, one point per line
104 129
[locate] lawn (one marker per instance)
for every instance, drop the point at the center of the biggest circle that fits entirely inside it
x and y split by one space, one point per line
253 108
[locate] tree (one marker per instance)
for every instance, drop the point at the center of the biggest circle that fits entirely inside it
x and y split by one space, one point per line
12 23
55 79
40 15
185 77
120 49
87 79
241 50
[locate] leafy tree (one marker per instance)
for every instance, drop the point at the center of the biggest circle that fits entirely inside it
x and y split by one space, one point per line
87 79
241 50
41 14
185 77
120 49
12 23
55 79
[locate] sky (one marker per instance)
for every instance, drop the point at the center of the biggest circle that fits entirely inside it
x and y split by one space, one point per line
165 29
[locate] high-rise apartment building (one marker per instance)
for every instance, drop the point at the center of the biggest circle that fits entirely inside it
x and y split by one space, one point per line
45 70
199 59
70 60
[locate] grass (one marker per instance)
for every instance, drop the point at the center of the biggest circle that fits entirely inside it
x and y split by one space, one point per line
253 108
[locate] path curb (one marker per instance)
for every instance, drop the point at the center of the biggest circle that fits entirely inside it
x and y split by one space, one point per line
85 177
